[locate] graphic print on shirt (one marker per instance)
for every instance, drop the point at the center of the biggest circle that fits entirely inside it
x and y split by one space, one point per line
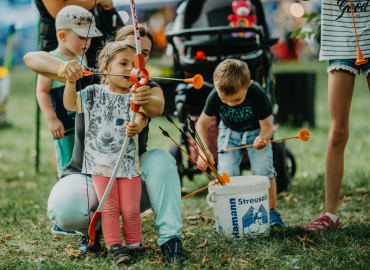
108 114
337 32
357 6
236 115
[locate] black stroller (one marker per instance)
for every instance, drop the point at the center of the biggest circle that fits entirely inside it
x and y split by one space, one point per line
201 39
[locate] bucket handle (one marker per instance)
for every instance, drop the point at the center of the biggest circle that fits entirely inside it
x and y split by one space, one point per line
208 198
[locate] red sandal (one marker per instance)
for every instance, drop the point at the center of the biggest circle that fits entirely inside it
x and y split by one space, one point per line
323 223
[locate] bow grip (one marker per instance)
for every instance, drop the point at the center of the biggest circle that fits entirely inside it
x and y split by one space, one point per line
134 76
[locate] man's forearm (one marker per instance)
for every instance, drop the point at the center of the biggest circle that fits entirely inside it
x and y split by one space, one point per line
45 64
154 108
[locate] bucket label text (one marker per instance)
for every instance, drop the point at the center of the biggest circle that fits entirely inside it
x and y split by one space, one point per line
253 200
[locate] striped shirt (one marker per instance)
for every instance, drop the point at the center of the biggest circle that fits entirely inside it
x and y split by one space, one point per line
338 39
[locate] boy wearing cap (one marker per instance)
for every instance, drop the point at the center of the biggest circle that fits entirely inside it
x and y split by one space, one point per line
72 28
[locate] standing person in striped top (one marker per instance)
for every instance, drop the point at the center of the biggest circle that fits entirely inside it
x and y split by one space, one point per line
338 46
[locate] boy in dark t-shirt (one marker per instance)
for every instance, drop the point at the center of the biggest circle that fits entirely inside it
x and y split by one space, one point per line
245 111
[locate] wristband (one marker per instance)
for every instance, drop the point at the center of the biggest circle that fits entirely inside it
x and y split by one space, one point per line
60 68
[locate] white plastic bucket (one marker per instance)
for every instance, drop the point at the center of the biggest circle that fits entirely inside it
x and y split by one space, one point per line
242 206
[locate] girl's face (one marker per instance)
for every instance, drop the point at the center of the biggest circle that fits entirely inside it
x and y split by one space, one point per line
122 63
146 45
75 43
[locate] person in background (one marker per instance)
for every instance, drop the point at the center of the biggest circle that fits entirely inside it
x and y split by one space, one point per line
108 23
71 24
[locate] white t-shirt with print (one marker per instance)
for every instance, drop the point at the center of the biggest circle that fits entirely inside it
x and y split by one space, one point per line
338 39
106 114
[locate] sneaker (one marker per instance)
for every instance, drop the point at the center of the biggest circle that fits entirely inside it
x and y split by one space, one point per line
118 254
275 219
172 251
84 245
57 230
137 253
321 224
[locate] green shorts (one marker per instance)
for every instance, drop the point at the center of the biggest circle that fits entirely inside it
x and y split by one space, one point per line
63 151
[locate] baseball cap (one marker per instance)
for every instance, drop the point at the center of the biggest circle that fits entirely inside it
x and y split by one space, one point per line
78 19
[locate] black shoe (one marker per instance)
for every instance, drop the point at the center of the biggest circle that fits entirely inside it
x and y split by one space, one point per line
137 253
172 251
118 254
84 245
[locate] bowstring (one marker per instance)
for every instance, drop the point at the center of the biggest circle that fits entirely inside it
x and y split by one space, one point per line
84 131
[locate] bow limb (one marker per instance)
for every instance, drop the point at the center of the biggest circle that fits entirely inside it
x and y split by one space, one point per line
139 57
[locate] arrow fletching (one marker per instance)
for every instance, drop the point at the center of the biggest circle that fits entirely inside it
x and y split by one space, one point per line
168 117
165 133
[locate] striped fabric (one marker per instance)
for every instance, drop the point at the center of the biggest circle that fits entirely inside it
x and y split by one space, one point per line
338 39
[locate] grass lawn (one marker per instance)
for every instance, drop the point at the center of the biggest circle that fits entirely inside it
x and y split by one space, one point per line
26 241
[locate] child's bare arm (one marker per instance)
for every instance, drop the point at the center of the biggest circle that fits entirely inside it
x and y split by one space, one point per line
265 134
202 127
136 127
42 93
70 97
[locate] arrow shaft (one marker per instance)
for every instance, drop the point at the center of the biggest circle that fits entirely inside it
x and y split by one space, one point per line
246 146
149 77
191 159
199 190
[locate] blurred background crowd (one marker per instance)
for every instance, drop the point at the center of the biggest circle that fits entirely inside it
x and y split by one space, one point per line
283 17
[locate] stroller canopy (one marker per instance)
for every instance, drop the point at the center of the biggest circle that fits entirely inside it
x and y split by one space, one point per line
213 13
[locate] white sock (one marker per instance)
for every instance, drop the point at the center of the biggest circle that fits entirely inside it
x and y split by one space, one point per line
332 216
136 245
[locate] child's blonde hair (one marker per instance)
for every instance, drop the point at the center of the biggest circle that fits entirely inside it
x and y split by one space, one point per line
109 52
231 75
129 30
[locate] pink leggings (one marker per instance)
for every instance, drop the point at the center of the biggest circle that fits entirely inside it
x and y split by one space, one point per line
124 199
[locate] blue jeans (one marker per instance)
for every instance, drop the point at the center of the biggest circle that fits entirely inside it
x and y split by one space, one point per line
349 65
229 162
68 204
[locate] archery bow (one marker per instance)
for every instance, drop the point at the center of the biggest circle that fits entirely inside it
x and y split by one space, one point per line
134 78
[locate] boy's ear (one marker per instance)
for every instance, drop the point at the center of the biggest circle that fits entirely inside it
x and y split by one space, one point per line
250 83
62 35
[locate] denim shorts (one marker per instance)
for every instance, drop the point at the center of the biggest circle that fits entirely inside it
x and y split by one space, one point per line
349 65
261 160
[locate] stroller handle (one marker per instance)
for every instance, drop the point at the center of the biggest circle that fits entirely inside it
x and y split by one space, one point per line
216 30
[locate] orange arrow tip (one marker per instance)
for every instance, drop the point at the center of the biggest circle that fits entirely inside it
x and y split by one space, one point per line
197 81
360 58
304 135
226 178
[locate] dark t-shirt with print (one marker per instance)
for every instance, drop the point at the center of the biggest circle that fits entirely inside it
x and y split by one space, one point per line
75 165
245 116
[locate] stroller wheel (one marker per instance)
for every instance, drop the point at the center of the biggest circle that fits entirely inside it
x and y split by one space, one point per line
281 167
176 153
290 162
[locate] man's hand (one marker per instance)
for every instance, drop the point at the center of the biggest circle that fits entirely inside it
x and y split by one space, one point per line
106 4
201 163
259 143
142 95
73 71
56 128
